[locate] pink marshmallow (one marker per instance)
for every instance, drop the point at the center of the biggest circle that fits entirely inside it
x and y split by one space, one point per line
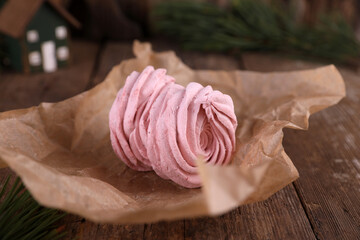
158 125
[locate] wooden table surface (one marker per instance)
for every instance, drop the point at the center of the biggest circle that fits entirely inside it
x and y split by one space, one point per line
324 203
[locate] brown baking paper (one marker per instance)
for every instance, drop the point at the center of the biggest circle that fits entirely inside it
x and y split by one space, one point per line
63 154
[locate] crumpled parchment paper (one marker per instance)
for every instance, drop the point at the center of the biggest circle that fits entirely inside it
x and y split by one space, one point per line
63 154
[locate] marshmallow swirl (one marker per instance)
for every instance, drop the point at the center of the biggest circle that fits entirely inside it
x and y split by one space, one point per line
158 125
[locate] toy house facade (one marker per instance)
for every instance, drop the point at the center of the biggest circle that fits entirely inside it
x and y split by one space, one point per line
35 34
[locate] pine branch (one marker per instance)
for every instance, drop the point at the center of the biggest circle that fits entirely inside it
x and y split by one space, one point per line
251 25
21 217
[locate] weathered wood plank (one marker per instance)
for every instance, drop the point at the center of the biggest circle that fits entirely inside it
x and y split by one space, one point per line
78 228
112 54
245 221
327 156
279 217
264 220
115 52
275 218
19 90
199 60
269 63
172 230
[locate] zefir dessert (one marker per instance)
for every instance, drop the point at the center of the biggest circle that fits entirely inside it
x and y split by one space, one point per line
156 124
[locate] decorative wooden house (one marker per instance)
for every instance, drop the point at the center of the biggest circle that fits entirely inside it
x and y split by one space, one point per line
35 34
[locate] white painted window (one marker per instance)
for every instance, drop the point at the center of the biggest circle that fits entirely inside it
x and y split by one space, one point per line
61 32
62 53
34 59
49 58
32 36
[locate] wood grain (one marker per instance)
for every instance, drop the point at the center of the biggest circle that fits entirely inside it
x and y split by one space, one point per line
279 217
173 230
264 220
78 228
327 156
323 204
114 52
199 60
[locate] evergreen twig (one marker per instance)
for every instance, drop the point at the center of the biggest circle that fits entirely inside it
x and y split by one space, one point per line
250 25
21 217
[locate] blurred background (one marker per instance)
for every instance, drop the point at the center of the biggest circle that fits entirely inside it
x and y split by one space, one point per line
104 18
128 19
34 33
51 50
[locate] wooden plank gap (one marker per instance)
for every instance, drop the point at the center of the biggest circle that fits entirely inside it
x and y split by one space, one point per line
305 209
144 231
184 229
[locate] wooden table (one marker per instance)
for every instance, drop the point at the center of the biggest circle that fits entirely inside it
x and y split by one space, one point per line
324 203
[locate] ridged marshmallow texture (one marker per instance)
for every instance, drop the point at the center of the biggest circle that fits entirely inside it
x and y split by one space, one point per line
156 124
